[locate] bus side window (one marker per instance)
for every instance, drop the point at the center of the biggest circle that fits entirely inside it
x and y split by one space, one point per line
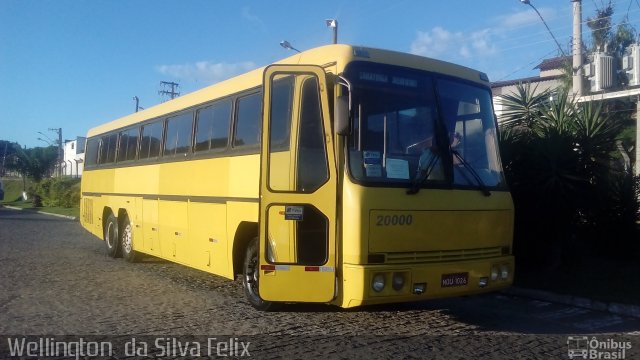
91 154
128 145
108 149
248 121
212 127
151 139
178 140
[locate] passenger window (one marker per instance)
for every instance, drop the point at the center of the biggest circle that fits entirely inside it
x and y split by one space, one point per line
178 141
91 155
248 122
212 127
128 145
151 140
108 149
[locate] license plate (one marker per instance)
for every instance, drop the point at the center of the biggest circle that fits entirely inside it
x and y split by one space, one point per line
453 280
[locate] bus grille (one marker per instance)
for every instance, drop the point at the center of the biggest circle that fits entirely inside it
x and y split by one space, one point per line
442 255
87 211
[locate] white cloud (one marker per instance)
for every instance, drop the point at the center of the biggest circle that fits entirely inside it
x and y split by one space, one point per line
443 44
205 71
525 18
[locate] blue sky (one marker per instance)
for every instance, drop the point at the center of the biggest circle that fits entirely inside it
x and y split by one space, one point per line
76 64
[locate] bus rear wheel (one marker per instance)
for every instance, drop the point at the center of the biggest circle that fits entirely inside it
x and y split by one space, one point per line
251 277
111 238
126 241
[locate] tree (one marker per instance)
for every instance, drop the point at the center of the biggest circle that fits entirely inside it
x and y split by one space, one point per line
603 34
521 109
36 162
600 26
559 163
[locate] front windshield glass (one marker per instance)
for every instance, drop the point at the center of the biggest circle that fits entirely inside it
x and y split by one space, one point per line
402 129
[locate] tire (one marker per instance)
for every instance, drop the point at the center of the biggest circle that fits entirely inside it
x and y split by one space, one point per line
251 276
111 238
126 241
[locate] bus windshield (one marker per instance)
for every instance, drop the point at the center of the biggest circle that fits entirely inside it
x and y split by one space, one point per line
416 127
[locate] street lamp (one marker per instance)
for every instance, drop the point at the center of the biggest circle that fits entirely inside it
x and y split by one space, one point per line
49 140
46 141
137 100
527 2
285 44
333 24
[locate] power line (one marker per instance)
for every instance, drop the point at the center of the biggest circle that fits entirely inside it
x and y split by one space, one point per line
526 66
172 93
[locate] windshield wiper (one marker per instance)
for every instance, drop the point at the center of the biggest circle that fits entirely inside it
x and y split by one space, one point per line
474 173
429 157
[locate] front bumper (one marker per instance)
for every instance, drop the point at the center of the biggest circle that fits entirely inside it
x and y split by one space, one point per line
439 279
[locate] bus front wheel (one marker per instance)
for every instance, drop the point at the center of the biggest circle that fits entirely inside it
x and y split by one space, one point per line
111 236
126 241
251 276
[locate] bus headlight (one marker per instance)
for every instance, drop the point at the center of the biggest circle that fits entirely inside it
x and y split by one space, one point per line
494 273
398 281
378 282
504 272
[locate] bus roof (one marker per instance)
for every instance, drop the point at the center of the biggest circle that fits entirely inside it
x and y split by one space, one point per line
329 55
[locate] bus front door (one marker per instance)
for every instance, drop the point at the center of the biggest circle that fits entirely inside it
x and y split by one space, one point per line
297 187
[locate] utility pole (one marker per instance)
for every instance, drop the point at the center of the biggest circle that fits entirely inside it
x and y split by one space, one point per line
4 157
577 49
172 93
60 150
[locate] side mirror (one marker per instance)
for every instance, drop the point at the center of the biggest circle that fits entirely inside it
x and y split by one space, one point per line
342 115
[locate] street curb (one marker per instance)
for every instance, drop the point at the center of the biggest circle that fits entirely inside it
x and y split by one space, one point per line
613 308
42 212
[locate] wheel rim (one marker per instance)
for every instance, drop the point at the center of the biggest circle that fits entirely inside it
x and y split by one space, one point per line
127 239
110 236
251 276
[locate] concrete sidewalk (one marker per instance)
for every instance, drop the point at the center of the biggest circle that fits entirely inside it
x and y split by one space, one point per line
40 212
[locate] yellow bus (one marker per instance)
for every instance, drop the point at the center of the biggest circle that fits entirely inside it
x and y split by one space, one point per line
341 175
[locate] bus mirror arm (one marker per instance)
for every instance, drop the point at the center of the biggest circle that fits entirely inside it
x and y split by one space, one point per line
342 111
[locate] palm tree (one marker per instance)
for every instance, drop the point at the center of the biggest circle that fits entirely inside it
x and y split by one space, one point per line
521 109
556 155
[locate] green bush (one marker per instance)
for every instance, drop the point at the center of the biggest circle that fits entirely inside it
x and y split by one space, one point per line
571 193
54 192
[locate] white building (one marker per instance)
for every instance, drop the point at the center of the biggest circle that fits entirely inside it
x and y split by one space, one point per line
73 161
551 73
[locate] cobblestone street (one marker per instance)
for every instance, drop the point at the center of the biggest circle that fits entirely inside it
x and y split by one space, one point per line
57 280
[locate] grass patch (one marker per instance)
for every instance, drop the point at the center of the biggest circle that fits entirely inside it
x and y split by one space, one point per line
13 188
28 206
